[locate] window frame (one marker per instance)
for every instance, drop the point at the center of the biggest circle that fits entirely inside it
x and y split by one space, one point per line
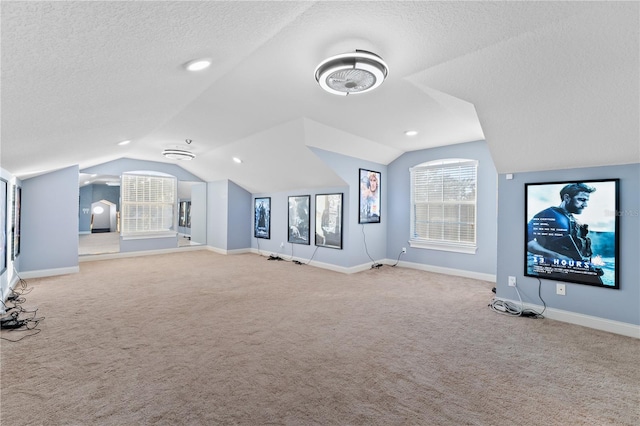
444 244
169 204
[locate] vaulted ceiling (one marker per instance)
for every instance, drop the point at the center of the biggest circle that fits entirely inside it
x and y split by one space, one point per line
548 84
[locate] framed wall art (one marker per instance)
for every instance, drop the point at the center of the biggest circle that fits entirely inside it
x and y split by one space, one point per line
3 225
299 219
572 232
262 218
15 223
329 220
184 214
369 211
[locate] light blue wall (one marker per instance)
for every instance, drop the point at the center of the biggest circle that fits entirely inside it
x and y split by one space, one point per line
147 244
50 221
363 243
398 207
354 253
217 213
280 225
228 216
618 305
84 219
199 213
238 217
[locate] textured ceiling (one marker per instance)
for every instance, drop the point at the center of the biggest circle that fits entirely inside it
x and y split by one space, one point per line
548 84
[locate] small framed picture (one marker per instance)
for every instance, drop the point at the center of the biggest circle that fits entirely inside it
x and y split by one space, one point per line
299 219
369 211
329 220
262 214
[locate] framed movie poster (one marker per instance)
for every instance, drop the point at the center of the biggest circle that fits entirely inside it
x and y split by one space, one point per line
299 219
3 225
572 231
262 218
369 196
329 220
15 224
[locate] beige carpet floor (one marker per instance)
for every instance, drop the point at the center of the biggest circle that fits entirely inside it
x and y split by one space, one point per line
198 338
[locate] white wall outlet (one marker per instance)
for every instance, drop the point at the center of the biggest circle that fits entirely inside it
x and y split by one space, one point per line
404 249
512 281
282 245
561 289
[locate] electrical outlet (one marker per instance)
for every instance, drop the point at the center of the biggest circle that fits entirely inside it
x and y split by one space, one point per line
561 289
404 249
282 245
512 281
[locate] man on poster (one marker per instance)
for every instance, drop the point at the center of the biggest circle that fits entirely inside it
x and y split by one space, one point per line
558 241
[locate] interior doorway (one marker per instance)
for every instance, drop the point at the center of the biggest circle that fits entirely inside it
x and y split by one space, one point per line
103 217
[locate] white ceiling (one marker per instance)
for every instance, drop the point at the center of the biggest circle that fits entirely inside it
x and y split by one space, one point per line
548 84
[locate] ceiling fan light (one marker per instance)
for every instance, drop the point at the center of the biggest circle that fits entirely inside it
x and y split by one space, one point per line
178 154
351 73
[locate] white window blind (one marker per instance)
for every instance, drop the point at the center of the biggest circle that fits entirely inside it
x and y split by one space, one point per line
148 205
443 205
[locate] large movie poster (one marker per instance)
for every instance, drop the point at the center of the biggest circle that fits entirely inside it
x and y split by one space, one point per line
262 218
299 219
571 231
329 220
369 196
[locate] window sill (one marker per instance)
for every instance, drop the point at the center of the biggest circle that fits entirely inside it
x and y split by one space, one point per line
144 236
444 246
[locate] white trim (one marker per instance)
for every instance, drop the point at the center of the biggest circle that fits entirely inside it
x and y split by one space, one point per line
224 251
49 272
315 263
443 246
107 256
447 271
603 324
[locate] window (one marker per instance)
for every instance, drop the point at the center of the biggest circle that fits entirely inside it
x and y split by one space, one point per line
148 205
443 205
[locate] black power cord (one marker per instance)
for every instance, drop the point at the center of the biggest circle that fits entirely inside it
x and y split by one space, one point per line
398 259
14 320
374 265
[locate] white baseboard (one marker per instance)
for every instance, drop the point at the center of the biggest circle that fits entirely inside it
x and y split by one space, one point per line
107 256
603 324
447 271
224 251
49 272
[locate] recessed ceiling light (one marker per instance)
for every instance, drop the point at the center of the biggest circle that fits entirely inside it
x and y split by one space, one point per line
411 132
237 160
198 64
124 142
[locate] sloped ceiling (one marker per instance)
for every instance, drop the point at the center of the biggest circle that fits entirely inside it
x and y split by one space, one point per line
548 84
